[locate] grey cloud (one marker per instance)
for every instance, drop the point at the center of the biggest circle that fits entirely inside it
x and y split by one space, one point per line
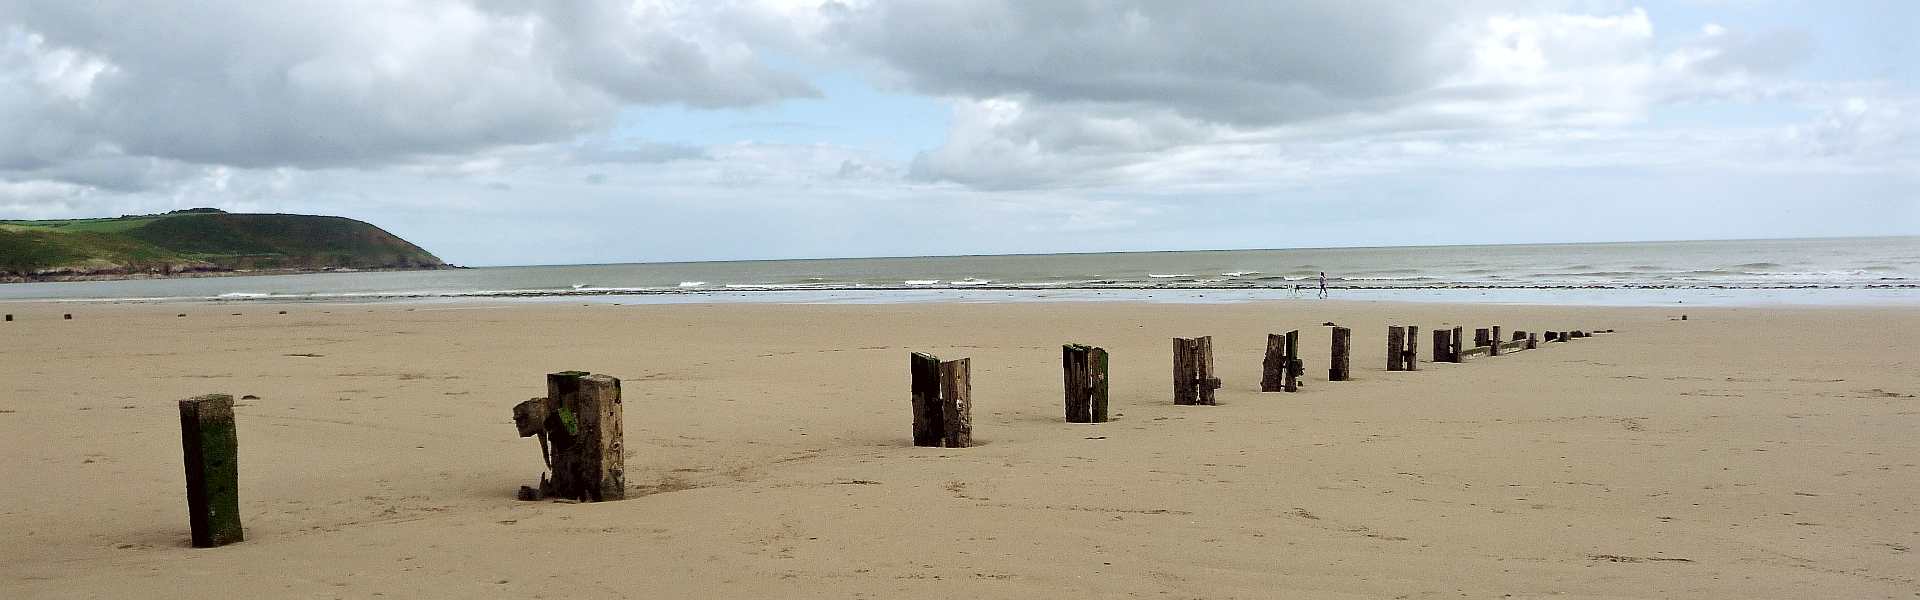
254 84
604 151
1241 62
1121 92
1767 52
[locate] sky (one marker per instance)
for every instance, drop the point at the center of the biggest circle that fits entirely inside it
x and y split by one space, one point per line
498 132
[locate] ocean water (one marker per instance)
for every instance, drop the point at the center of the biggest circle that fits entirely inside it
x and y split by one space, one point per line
1804 271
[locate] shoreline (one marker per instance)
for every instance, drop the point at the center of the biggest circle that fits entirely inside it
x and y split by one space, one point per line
206 273
1902 296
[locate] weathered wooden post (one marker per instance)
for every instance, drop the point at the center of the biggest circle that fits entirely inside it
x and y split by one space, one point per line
1282 368
211 448
68 316
1533 341
1442 338
1086 383
582 437
956 403
1495 339
1273 368
1396 347
9 317
1193 380
1342 343
942 401
1411 362
1480 337
589 462
1458 339
1296 368
927 413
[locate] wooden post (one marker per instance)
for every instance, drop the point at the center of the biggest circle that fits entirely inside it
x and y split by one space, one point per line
1337 366
1480 337
942 401
1412 360
1519 335
1096 368
1440 343
956 403
1396 347
1281 370
68 316
1086 383
1273 369
1183 394
211 449
1458 339
1295 367
1193 380
927 414
1495 339
1533 341
585 428
9 317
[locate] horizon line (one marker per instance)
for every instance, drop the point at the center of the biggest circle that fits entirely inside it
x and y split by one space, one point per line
1094 252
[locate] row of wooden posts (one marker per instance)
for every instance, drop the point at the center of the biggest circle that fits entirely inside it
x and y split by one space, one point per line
582 440
942 391
63 316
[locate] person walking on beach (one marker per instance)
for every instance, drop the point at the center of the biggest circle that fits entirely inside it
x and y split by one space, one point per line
1323 285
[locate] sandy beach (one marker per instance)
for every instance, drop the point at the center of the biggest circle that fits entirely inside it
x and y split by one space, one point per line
1742 453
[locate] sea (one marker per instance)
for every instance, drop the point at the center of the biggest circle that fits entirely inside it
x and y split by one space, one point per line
1831 271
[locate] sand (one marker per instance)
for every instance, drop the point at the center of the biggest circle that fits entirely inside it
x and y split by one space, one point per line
1761 452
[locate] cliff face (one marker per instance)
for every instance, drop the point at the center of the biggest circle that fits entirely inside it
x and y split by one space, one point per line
199 242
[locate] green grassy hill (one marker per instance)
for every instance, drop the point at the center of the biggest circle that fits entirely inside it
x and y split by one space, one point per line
198 241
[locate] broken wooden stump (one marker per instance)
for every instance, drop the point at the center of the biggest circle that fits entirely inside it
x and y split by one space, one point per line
211 449
582 437
1411 356
1193 380
9 318
1396 347
1296 368
1480 337
1086 382
1342 345
1281 370
1442 342
942 394
1495 340
1533 341
1511 346
1458 339
68 316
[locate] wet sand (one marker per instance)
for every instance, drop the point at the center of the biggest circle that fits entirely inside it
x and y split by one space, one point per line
1741 453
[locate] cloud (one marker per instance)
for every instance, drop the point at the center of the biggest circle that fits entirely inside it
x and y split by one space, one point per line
359 83
1239 63
1136 92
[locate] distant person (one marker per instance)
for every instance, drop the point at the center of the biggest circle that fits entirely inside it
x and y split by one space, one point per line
1323 285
